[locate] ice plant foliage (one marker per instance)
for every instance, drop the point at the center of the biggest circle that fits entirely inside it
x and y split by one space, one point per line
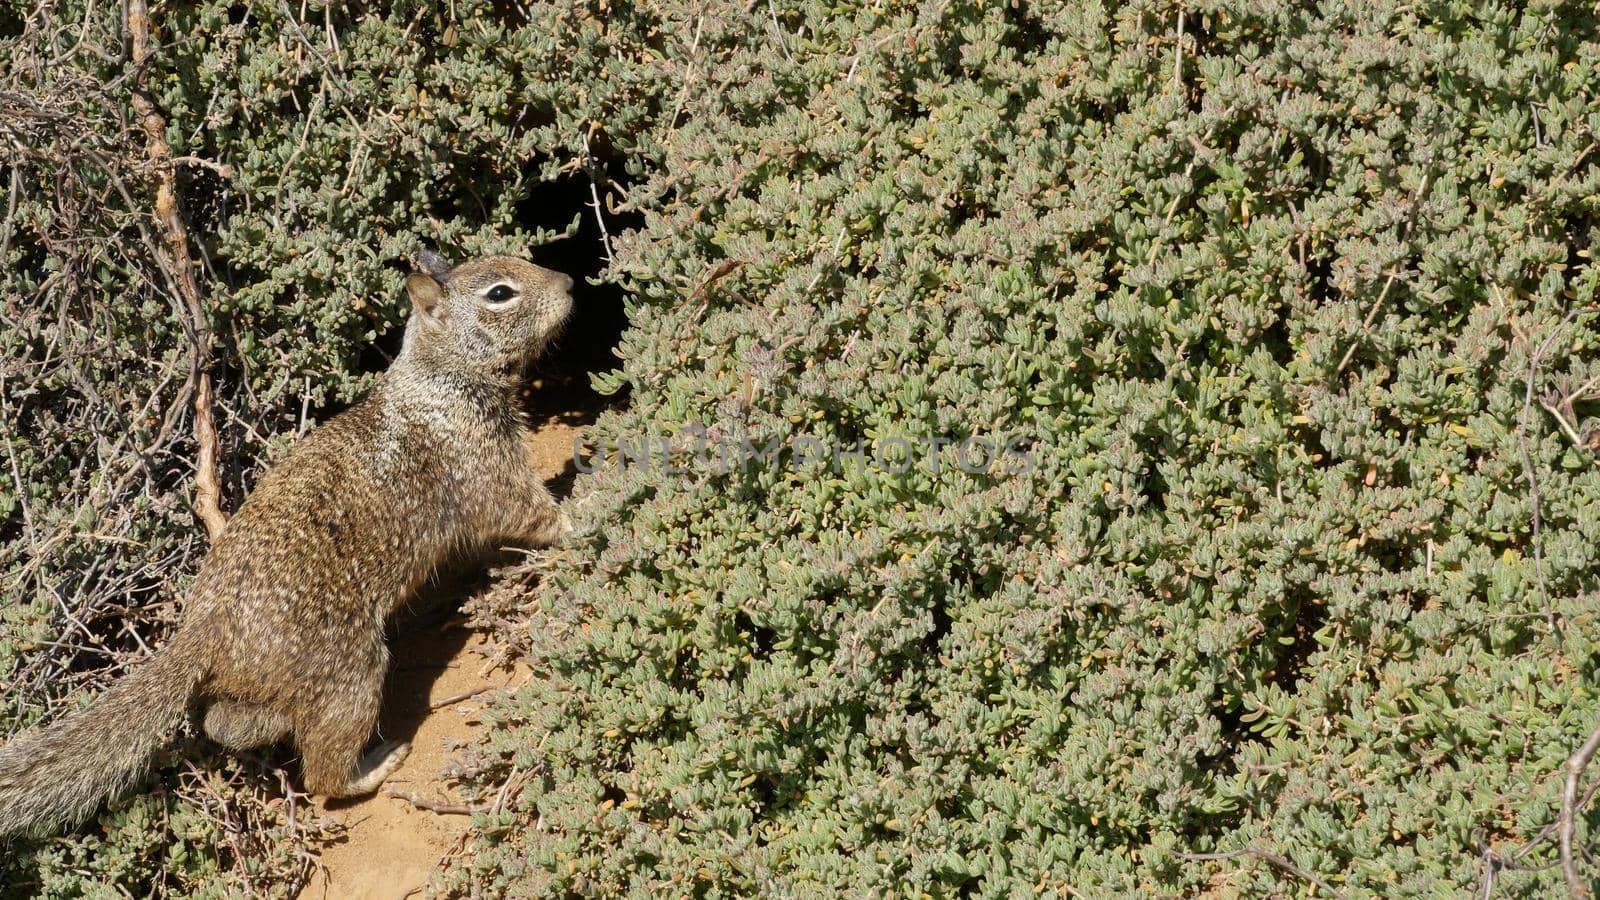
1286 301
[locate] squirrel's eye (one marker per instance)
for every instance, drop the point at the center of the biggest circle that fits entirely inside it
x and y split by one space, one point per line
501 293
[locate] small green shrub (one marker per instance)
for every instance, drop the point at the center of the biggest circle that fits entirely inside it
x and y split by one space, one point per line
1261 283
1259 286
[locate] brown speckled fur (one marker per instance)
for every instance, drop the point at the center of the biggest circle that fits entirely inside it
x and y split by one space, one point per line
283 635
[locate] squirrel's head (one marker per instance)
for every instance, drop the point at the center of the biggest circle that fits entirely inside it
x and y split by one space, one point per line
486 316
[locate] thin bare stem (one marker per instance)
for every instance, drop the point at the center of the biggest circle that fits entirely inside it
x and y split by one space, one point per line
1530 473
1575 765
1268 857
594 195
1372 312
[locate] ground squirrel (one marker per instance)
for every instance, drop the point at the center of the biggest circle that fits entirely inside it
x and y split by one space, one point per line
283 634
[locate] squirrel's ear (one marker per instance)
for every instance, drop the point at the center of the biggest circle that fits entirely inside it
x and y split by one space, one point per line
432 263
425 295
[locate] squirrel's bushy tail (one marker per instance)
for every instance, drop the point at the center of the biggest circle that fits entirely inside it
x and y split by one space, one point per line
61 773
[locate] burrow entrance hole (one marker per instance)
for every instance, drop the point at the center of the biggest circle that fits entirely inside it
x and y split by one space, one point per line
561 389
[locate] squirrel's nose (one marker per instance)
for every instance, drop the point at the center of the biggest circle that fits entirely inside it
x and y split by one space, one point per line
566 281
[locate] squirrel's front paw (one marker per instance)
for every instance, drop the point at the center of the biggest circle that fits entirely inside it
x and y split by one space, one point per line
550 530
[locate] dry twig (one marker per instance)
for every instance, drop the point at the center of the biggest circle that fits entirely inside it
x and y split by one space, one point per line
1562 404
464 695
1566 823
1534 497
180 268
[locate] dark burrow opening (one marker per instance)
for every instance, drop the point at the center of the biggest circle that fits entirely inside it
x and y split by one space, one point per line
561 390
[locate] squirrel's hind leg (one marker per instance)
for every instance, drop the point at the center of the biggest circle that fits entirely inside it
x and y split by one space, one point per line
239 725
330 743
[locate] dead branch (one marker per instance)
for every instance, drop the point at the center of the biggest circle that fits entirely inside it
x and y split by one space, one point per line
1566 824
175 259
1562 404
